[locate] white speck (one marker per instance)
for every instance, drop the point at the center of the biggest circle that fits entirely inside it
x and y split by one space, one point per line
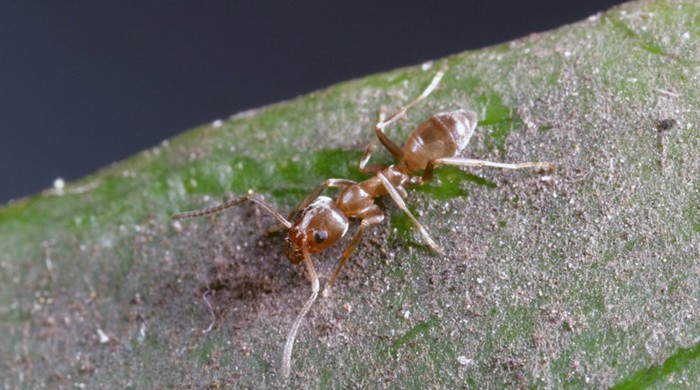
142 333
177 226
463 360
685 35
217 123
480 280
426 66
243 114
59 184
103 336
567 54
326 293
406 314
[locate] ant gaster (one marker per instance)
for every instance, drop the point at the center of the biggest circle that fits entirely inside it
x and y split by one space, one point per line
318 222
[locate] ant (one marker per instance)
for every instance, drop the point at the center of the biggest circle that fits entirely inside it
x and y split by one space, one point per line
318 221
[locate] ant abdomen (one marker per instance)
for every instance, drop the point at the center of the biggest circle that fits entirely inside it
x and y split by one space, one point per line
442 135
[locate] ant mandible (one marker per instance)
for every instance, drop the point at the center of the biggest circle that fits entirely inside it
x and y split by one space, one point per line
318 222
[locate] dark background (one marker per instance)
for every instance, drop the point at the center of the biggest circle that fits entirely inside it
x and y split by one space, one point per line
84 84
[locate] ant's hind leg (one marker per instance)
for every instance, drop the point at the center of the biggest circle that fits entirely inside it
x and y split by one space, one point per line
468 162
394 149
402 205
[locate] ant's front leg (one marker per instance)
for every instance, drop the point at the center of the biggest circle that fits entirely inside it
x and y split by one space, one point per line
289 345
373 217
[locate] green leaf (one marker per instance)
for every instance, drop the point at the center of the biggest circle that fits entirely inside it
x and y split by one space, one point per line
585 277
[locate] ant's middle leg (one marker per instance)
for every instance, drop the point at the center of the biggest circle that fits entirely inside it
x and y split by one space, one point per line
371 148
396 197
394 149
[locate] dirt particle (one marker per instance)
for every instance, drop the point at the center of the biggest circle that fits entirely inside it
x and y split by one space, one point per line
665 124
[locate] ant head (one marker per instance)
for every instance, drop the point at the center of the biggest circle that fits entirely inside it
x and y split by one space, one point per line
320 225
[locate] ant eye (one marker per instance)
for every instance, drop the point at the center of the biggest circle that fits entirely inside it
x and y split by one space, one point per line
320 236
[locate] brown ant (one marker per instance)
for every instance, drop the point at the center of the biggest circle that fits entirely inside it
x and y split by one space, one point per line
318 222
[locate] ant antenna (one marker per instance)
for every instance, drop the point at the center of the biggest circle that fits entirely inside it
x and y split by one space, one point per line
230 203
287 357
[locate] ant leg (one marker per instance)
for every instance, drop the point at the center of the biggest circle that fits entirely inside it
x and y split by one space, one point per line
287 356
394 149
393 192
371 148
335 183
468 162
350 249
230 203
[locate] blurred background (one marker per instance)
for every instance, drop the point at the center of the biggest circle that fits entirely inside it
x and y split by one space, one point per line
85 84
